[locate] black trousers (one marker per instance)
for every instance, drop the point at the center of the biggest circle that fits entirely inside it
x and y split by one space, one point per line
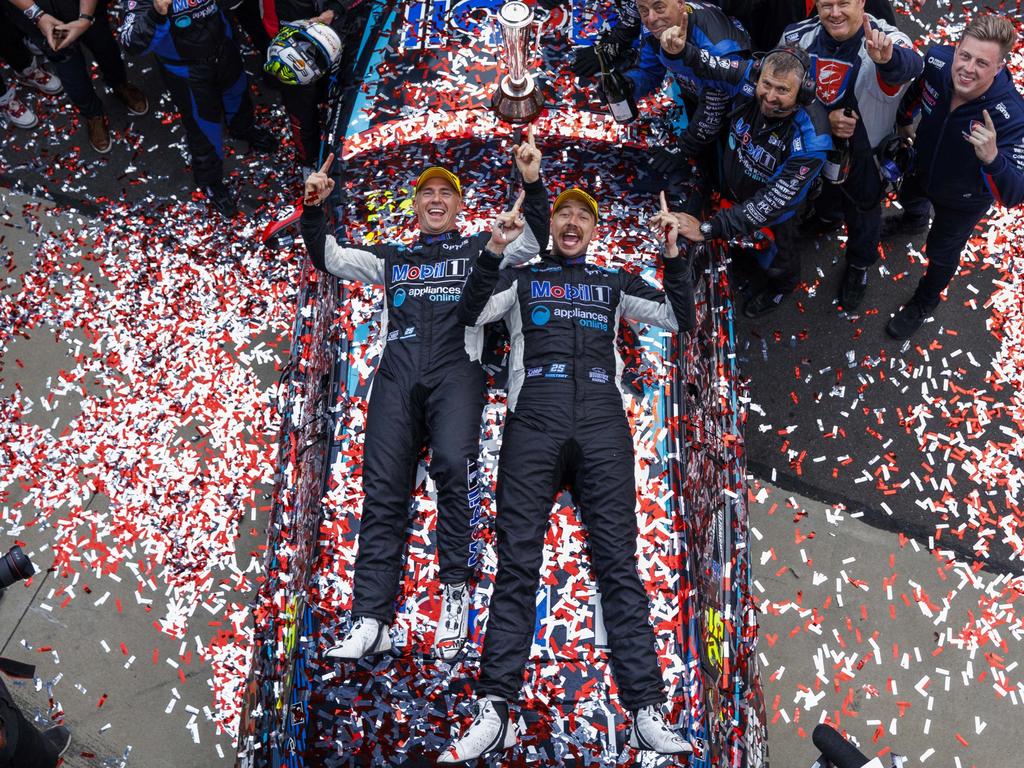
302 102
206 93
24 744
405 409
859 199
71 64
556 438
949 233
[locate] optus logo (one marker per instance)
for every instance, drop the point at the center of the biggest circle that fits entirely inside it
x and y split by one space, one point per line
540 315
399 297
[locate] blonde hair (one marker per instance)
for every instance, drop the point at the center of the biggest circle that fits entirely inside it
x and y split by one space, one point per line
993 28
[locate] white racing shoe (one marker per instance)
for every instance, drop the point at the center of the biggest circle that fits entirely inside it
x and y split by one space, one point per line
366 638
651 732
450 636
491 731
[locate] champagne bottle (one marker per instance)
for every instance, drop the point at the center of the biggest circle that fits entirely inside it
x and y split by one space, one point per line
617 91
837 160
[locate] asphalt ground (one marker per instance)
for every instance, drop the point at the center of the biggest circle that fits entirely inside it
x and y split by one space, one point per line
54 163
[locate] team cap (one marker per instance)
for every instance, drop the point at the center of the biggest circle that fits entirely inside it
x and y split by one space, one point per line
437 172
575 193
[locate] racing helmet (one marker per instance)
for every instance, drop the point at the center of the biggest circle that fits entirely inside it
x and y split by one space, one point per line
302 52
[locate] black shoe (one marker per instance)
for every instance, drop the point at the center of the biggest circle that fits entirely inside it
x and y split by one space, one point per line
815 226
855 284
763 303
905 323
903 226
220 197
58 738
261 140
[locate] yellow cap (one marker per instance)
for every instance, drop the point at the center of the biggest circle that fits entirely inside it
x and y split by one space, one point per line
437 172
575 193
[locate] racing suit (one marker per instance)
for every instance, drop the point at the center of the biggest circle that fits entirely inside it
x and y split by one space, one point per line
429 383
769 166
847 77
302 102
566 425
202 68
949 174
706 102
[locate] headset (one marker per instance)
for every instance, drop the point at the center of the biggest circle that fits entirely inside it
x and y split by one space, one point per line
808 85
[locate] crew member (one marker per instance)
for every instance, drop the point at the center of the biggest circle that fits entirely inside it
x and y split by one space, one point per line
775 145
706 102
566 425
862 66
429 382
970 153
202 68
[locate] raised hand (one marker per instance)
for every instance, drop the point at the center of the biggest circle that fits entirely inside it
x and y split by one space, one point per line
983 137
666 229
319 185
673 39
507 226
528 157
877 43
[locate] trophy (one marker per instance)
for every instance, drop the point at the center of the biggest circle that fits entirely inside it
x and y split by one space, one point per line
517 98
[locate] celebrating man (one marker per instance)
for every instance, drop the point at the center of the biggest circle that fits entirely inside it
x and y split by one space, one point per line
970 152
429 382
566 425
862 66
705 102
775 147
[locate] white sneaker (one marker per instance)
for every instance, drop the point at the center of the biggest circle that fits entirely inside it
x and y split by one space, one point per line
366 638
40 79
450 635
651 732
491 731
15 112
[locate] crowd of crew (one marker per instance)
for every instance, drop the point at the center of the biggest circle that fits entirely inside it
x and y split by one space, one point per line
812 136
196 47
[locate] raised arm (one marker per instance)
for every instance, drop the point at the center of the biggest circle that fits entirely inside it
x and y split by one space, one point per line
364 265
673 308
536 206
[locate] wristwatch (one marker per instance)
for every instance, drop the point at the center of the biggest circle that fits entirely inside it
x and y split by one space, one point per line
33 12
705 228
87 17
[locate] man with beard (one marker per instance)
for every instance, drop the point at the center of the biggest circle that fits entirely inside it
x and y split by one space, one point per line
566 426
429 383
776 141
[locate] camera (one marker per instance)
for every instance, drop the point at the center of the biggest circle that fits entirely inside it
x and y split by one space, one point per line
14 566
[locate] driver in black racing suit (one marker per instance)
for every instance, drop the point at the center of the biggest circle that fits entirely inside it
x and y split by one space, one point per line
429 384
567 426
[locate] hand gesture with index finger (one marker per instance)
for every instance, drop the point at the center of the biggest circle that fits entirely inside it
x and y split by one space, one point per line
528 157
983 137
666 229
877 43
319 185
507 226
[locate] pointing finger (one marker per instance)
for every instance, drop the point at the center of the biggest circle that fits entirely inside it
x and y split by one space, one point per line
529 136
867 29
327 163
519 202
988 120
664 202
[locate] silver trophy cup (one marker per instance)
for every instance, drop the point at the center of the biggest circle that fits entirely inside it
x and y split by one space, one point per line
517 98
